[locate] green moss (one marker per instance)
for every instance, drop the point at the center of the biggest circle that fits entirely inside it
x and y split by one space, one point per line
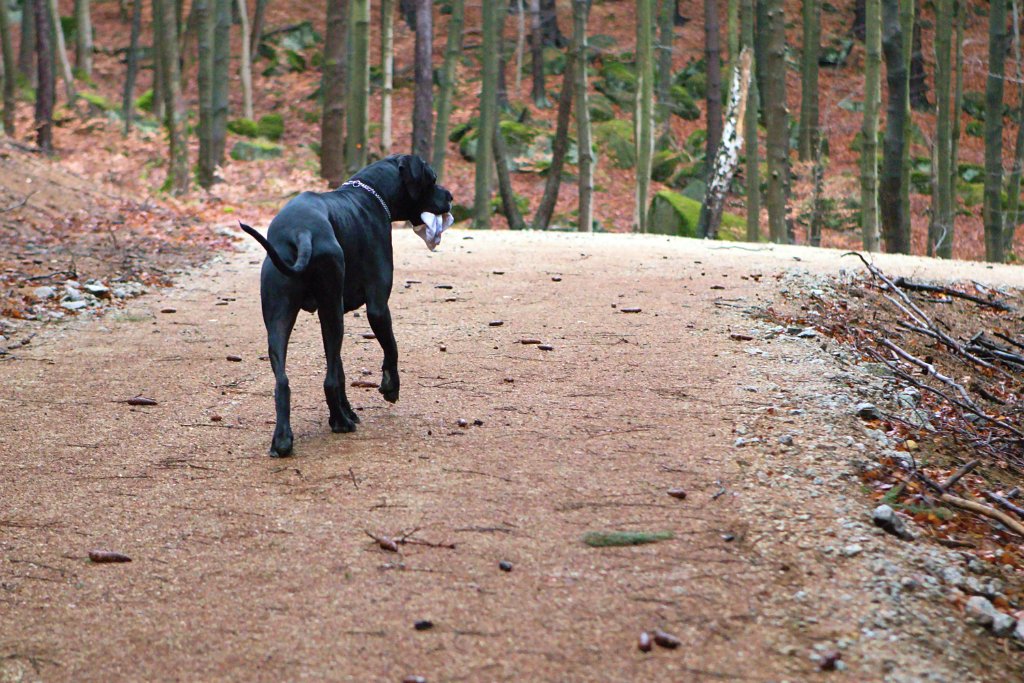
96 100
976 129
613 539
271 126
674 214
664 165
244 127
601 108
145 101
251 150
617 80
972 194
616 138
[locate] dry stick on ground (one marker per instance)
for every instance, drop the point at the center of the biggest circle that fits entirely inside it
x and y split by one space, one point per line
959 474
1002 501
904 283
1007 521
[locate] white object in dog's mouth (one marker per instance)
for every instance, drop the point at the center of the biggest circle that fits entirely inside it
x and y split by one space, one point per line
433 226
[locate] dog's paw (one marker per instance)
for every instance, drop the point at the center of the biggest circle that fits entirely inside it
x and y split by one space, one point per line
281 448
390 395
342 425
352 415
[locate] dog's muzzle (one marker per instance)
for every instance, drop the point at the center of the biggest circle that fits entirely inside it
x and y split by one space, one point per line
433 226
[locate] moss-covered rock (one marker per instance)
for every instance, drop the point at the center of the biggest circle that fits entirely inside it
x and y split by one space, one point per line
615 138
971 173
529 148
973 105
682 104
245 127
97 101
271 126
972 194
673 214
554 61
976 129
695 189
601 108
617 80
664 165
144 102
251 150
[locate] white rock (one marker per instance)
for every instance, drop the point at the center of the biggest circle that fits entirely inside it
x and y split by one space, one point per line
1002 624
44 292
980 610
1018 632
72 294
75 305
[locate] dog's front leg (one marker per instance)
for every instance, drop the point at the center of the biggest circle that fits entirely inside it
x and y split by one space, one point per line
379 315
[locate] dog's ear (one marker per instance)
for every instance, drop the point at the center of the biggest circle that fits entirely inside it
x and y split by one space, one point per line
416 175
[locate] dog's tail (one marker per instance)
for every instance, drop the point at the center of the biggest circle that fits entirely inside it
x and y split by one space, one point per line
301 260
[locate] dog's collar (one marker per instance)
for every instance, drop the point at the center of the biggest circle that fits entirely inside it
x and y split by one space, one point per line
363 186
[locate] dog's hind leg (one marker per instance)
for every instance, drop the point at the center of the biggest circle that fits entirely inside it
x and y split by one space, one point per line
330 304
279 315
379 316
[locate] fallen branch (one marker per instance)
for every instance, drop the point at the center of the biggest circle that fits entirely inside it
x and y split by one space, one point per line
959 474
1003 502
18 205
990 512
904 283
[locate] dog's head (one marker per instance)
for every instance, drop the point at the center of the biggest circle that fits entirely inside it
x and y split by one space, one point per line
431 203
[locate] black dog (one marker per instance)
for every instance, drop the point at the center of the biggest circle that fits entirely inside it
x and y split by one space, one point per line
332 252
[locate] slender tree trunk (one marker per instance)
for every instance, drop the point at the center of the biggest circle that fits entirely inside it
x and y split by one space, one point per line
387 67
407 8
539 91
449 80
358 123
753 172
245 67
332 123
776 119
890 183
159 73
713 60
128 98
732 33
259 17
918 78
942 205
907 23
221 69
205 26
549 21
423 106
27 46
859 9
560 146
10 69
520 44
1012 218
62 53
44 76
666 44
869 149
83 37
503 101
958 99
584 143
508 196
809 81
993 209
177 169
644 131
488 115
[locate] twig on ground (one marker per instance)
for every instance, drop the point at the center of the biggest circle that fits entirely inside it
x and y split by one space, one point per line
1003 502
904 283
990 512
959 474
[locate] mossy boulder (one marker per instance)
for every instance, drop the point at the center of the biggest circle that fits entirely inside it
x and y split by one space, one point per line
247 128
695 189
976 129
96 101
252 150
674 214
664 165
617 80
615 138
601 108
271 126
554 61
529 148
144 102
973 194
682 104
693 77
971 173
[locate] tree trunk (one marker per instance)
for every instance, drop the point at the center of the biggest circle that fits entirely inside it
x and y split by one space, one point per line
83 37
560 145
584 144
539 91
205 26
644 113
520 44
407 8
245 68
732 34
359 86
332 123
869 131
502 93
958 100
387 67
890 185
942 203
993 209
488 115
449 79
159 76
727 157
10 69
859 9
128 98
776 119
221 64
549 23
1012 217
44 76
753 171
174 106
809 81
713 60
508 196
666 45
259 17
62 53
27 46
907 22
423 106
918 78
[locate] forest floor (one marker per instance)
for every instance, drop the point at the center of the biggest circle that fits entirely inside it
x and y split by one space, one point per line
252 568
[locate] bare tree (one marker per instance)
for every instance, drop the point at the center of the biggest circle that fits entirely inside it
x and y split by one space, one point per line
644 133
10 68
423 105
540 97
449 79
358 123
44 91
245 67
584 144
83 37
488 116
387 67
560 146
993 207
128 98
332 123
174 106
869 130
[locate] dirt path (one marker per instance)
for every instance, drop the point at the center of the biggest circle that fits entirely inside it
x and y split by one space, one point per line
252 568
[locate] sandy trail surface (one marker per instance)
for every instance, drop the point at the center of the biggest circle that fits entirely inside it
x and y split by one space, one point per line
251 568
